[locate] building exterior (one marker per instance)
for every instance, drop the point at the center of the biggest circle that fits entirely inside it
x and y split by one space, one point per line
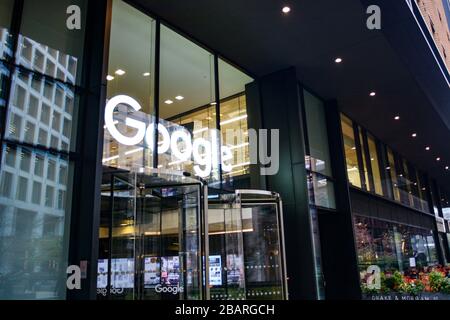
436 16
128 148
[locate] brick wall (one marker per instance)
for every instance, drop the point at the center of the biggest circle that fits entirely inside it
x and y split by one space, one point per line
436 20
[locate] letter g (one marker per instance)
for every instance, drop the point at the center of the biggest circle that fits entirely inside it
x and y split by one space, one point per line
109 121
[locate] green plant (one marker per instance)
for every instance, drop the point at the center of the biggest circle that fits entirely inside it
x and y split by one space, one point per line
445 287
437 281
413 288
394 282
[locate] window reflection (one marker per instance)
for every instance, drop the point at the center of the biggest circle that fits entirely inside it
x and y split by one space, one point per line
34 210
392 246
41 112
350 152
44 46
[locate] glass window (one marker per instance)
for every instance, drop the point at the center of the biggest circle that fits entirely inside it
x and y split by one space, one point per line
445 204
46 44
32 267
6 7
42 107
130 73
394 248
350 152
362 141
233 121
321 191
392 170
187 84
375 164
317 135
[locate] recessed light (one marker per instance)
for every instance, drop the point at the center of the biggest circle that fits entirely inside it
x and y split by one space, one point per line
428 148
438 159
147 74
446 168
397 118
179 98
414 135
109 78
373 94
286 9
168 102
120 72
338 60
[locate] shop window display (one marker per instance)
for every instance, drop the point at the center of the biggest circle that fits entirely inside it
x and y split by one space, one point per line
404 257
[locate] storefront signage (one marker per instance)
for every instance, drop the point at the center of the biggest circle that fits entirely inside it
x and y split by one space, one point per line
169 289
204 153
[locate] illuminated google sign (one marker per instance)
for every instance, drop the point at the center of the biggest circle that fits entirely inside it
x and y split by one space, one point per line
204 153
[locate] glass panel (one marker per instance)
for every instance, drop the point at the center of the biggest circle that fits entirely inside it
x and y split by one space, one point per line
187 85
445 204
234 127
226 259
36 118
398 250
362 141
321 191
392 171
33 233
4 74
317 135
130 73
155 245
263 264
350 152
374 160
234 124
46 44
6 8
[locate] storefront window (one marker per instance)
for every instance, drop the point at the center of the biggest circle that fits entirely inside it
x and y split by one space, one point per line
36 174
130 73
350 152
392 247
187 85
375 164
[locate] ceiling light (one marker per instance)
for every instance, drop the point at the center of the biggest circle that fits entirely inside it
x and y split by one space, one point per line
147 74
120 72
179 98
109 78
427 148
414 135
373 94
286 9
446 168
168 102
438 159
338 60
397 118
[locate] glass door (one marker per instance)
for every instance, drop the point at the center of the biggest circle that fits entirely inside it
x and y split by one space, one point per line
151 236
246 247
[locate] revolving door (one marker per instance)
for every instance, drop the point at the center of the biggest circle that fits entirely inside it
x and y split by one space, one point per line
246 247
150 237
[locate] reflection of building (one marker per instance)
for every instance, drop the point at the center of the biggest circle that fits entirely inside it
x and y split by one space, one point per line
363 141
